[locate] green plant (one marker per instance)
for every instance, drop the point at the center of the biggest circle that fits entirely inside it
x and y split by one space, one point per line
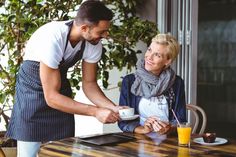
20 18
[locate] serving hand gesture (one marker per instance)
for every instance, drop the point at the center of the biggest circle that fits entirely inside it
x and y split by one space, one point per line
106 116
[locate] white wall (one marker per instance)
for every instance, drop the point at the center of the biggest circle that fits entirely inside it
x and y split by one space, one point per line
85 125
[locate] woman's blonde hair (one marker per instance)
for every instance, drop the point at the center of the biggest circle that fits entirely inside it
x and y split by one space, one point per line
171 43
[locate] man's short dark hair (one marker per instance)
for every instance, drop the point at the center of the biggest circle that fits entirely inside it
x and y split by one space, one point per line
92 11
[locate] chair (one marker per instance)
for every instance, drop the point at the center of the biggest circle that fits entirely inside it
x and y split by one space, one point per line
197 112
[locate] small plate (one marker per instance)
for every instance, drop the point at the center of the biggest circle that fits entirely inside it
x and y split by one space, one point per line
218 141
130 118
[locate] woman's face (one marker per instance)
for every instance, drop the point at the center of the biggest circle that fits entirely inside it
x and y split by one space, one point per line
156 58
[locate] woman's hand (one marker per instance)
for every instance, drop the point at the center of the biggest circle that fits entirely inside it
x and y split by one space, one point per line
147 128
159 126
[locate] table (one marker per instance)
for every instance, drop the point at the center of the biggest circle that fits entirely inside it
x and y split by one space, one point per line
1 153
143 146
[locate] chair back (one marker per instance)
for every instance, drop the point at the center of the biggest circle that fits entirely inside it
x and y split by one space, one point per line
197 113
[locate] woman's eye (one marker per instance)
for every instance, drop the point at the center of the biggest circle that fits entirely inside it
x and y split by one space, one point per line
157 55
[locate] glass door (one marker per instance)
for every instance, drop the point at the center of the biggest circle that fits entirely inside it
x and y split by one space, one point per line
216 70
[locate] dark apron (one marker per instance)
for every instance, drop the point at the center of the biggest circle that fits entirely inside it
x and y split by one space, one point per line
32 119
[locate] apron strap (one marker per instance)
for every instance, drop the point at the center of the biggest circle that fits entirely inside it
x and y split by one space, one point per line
78 55
69 24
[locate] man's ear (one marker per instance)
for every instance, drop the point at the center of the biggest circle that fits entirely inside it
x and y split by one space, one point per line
84 28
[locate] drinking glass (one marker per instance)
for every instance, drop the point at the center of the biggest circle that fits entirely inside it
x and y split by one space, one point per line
184 134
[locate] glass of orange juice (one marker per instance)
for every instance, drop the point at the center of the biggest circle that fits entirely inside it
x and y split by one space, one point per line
184 134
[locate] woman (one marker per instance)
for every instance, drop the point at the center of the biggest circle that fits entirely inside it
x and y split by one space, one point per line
154 90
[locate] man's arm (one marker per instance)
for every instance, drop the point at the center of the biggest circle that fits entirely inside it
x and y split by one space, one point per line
91 88
51 82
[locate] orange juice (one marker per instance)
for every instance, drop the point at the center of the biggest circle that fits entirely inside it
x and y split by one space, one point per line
184 134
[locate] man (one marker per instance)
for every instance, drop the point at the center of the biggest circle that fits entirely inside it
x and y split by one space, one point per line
43 108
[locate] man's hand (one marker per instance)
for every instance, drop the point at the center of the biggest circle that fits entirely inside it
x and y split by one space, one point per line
117 108
106 116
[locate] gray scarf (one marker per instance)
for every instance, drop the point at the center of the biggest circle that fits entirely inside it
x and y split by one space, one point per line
149 85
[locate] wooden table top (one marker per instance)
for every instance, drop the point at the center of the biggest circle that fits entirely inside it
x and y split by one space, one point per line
142 146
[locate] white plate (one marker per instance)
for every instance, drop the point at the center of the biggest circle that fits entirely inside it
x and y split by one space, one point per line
130 118
218 141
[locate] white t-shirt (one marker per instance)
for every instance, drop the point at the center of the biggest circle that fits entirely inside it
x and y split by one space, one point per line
48 43
155 106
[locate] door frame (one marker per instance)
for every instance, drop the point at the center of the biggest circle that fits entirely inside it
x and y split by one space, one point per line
180 18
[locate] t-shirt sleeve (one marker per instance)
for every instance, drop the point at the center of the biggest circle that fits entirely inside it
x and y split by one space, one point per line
48 44
53 53
92 53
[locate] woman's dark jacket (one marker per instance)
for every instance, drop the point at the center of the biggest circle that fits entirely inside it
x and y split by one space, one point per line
128 99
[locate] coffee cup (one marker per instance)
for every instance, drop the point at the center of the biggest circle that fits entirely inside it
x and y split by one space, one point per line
126 112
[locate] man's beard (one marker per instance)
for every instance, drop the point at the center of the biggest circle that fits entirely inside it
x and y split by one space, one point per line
94 42
91 40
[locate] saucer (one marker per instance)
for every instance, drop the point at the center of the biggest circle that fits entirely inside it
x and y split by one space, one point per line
218 141
130 117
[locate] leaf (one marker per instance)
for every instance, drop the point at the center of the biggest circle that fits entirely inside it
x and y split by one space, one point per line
11 17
